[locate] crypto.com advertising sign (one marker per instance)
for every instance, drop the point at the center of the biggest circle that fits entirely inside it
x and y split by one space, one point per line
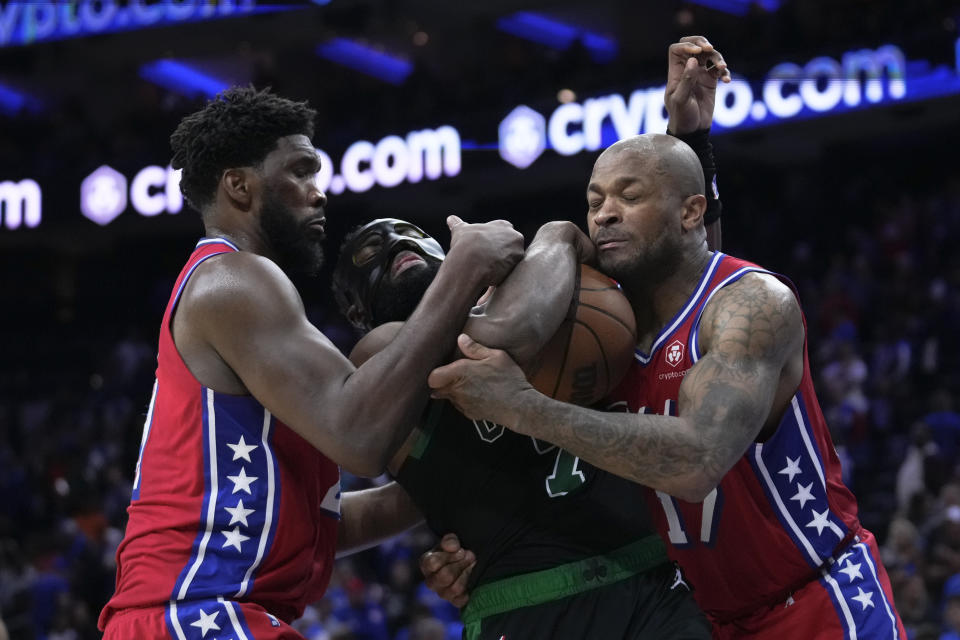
20 203
821 86
427 154
790 91
25 22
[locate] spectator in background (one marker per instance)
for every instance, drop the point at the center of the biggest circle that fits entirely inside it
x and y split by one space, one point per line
427 629
951 608
922 467
916 609
943 547
944 423
363 615
903 551
843 379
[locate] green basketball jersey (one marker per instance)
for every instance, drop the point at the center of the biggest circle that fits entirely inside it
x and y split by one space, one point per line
519 504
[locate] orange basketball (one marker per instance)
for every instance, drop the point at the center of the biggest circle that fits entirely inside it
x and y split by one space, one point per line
594 346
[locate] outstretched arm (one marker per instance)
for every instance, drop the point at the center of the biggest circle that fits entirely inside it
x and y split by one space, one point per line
372 516
750 332
693 69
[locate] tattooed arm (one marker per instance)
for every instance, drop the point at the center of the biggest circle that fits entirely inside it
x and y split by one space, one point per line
752 338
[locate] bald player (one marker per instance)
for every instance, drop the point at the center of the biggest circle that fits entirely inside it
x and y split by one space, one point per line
717 416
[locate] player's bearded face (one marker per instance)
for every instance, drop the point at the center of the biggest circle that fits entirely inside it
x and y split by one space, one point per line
297 246
387 267
396 299
632 219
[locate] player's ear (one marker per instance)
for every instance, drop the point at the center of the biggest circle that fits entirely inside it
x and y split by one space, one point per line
693 209
237 184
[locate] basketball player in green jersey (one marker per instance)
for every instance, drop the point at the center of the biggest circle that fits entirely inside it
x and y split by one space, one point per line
562 551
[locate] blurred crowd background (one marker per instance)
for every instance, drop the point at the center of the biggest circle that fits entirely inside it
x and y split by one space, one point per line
861 210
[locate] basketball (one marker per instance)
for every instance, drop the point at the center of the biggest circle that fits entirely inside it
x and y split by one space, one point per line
593 348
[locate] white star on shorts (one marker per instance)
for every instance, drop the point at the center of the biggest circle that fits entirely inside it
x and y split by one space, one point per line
242 449
206 622
242 481
234 538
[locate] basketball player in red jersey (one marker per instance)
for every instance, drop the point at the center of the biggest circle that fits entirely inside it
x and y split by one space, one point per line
236 500
718 415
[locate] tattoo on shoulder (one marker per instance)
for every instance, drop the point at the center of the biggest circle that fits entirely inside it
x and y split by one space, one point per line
754 318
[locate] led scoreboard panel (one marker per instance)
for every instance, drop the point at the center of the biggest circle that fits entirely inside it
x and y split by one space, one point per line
790 91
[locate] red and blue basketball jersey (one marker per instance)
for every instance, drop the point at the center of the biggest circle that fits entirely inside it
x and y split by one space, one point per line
780 515
228 504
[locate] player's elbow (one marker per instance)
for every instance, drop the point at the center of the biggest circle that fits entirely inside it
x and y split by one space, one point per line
511 333
366 458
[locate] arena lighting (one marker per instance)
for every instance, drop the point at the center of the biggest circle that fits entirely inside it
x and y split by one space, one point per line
735 7
12 101
24 22
738 7
182 78
790 91
557 35
367 60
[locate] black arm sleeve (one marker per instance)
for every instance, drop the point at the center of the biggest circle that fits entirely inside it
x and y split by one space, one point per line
699 141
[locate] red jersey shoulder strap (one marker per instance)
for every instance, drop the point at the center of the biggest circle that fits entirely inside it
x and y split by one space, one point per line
206 248
730 270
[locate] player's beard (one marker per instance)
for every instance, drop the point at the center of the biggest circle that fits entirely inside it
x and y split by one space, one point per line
297 248
396 299
637 267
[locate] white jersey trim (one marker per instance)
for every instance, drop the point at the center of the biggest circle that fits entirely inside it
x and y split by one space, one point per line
883 594
682 316
214 492
206 241
847 616
811 552
234 621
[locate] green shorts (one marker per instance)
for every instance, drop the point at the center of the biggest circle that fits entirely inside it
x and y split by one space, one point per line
631 593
